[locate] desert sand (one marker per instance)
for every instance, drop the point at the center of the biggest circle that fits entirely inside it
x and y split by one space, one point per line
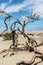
21 55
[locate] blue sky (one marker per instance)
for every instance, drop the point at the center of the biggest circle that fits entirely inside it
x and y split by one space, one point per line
14 6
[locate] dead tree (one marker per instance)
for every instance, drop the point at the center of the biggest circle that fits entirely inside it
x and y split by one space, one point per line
14 45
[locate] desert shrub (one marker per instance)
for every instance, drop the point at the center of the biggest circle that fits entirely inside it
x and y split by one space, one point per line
7 36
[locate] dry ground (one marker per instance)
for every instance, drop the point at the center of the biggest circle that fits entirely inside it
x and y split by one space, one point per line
21 55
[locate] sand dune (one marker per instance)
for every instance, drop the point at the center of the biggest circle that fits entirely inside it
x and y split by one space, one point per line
21 55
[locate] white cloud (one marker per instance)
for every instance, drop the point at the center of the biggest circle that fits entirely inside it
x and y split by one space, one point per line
17 7
36 5
39 9
4 5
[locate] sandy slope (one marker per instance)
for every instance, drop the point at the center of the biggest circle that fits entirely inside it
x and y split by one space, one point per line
22 55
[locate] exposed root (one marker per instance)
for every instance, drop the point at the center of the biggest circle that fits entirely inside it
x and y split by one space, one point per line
12 54
16 48
32 60
37 55
12 49
5 51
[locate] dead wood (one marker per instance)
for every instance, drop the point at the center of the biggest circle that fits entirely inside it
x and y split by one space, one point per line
31 61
